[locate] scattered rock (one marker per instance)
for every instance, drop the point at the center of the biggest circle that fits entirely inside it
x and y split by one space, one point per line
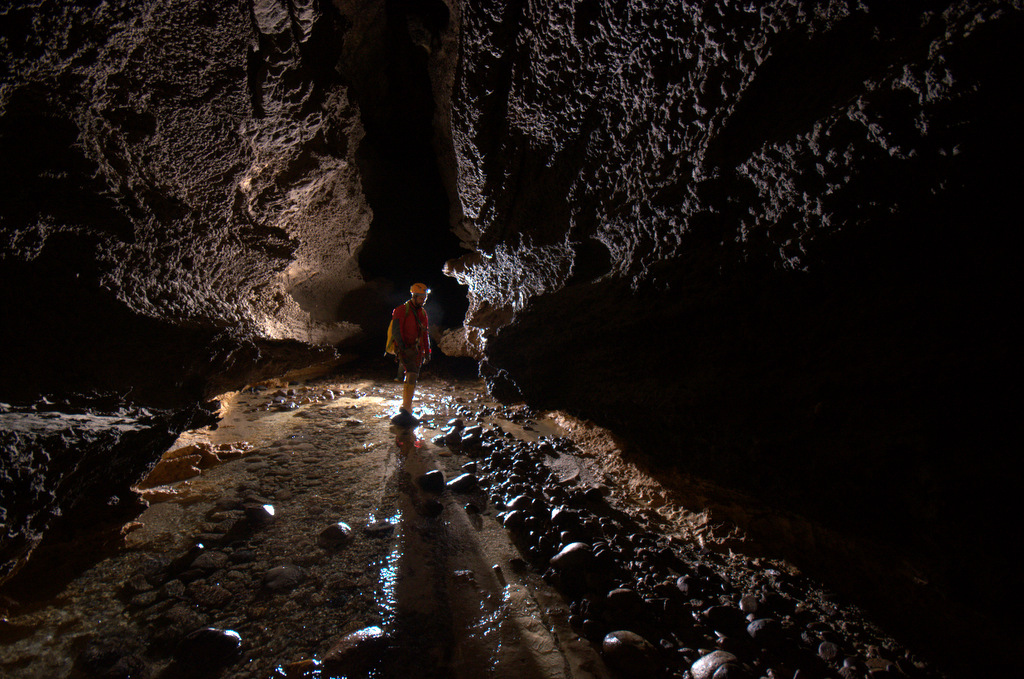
880 667
689 585
573 556
283 578
514 521
521 502
172 589
137 584
211 560
707 666
357 652
828 651
629 653
472 436
259 515
749 604
208 596
767 632
463 483
335 536
432 481
209 647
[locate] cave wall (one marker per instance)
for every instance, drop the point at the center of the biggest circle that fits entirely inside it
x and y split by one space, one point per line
179 171
745 221
602 139
773 244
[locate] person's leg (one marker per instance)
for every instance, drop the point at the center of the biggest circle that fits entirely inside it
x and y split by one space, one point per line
412 374
410 388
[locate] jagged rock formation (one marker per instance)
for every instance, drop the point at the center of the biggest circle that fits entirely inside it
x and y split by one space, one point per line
74 464
774 243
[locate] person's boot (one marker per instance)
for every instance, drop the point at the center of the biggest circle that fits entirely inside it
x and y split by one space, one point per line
405 418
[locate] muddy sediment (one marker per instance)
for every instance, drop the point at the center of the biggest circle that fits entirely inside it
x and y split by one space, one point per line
491 541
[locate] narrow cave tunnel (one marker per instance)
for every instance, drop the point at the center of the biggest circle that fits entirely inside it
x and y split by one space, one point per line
724 377
409 239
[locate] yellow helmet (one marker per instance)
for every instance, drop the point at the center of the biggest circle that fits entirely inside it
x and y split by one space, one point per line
419 289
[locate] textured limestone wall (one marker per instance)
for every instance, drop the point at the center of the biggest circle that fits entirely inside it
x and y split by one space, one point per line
84 454
203 152
599 139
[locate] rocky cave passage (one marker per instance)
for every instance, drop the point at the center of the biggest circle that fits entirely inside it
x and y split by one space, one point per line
771 250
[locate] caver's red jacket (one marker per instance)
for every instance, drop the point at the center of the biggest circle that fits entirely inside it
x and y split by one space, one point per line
413 324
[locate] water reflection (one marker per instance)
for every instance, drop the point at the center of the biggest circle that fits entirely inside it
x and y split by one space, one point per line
303 669
406 440
386 600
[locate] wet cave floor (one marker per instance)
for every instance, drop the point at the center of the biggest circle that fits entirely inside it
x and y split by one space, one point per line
329 546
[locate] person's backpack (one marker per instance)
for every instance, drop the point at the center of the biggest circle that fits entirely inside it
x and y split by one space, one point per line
389 345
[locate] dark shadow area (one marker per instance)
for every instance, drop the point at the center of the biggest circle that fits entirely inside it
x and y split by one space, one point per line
882 408
44 177
67 335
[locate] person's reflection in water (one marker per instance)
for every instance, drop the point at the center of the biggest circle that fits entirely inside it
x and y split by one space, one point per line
406 440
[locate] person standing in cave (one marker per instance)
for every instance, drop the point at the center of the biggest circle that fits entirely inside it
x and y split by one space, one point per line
409 340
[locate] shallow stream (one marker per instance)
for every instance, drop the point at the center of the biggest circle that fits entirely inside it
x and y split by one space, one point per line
246 570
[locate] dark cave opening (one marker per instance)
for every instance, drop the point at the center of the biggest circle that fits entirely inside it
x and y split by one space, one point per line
410 237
